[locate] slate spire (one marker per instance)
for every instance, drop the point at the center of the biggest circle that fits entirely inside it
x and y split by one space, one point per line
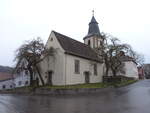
93 28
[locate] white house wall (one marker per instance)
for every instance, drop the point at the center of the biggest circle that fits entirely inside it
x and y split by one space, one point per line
22 80
131 69
53 42
94 41
85 65
54 63
9 84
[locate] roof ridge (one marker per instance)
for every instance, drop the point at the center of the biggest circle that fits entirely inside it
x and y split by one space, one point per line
72 39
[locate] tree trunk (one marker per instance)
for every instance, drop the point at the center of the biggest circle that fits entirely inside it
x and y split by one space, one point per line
106 64
40 76
106 72
114 72
31 75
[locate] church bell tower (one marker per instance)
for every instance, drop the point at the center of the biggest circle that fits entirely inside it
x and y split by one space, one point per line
93 38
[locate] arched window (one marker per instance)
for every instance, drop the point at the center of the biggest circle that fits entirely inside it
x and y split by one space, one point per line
89 43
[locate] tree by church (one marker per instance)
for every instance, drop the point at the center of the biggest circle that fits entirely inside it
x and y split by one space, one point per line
114 52
33 52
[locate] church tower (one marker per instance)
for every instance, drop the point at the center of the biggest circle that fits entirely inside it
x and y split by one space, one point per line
93 38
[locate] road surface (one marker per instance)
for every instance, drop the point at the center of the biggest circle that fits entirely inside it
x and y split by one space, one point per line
134 98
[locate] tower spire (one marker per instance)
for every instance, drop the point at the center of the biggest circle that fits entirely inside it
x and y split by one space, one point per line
93 27
93 12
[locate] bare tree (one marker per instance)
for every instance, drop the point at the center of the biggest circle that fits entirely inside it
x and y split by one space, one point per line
33 52
138 58
103 51
111 50
115 53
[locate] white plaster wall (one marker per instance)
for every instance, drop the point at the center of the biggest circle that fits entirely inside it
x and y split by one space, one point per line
131 69
94 40
54 63
23 78
85 65
7 83
91 41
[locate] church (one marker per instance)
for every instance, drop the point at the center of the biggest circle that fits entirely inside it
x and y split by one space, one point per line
74 62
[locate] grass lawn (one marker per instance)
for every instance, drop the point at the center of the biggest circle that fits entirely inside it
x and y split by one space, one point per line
92 85
124 83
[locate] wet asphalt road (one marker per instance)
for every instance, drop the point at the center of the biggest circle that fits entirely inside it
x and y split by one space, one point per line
134 98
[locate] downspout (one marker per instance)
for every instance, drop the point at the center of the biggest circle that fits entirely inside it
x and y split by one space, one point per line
65 70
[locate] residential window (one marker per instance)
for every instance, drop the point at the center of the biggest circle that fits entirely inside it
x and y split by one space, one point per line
10 86
4 86
26 83
19 83
26 72
95 69
77 66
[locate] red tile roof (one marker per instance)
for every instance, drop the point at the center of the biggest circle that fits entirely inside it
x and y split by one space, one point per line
4 76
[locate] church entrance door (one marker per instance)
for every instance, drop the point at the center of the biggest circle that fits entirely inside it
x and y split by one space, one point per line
87 77
49 79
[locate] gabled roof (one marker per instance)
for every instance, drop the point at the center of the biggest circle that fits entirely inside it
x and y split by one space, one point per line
5 76
76 48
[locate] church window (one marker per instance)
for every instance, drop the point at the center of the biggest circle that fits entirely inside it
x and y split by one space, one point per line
89 43
95 69
77 66
51 39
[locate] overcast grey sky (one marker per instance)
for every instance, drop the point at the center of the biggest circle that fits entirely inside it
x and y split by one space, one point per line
21 20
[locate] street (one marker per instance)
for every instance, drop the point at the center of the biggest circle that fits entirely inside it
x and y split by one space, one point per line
134 98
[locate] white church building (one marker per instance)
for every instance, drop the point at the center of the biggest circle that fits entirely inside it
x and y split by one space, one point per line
74 62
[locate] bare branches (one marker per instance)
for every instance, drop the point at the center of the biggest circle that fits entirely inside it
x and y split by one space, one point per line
113 53
32 51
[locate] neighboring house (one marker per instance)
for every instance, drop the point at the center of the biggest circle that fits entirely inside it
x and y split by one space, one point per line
6 84
141 72
129 67
146 68
6 78
22 79
73 62
5 75
21 75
